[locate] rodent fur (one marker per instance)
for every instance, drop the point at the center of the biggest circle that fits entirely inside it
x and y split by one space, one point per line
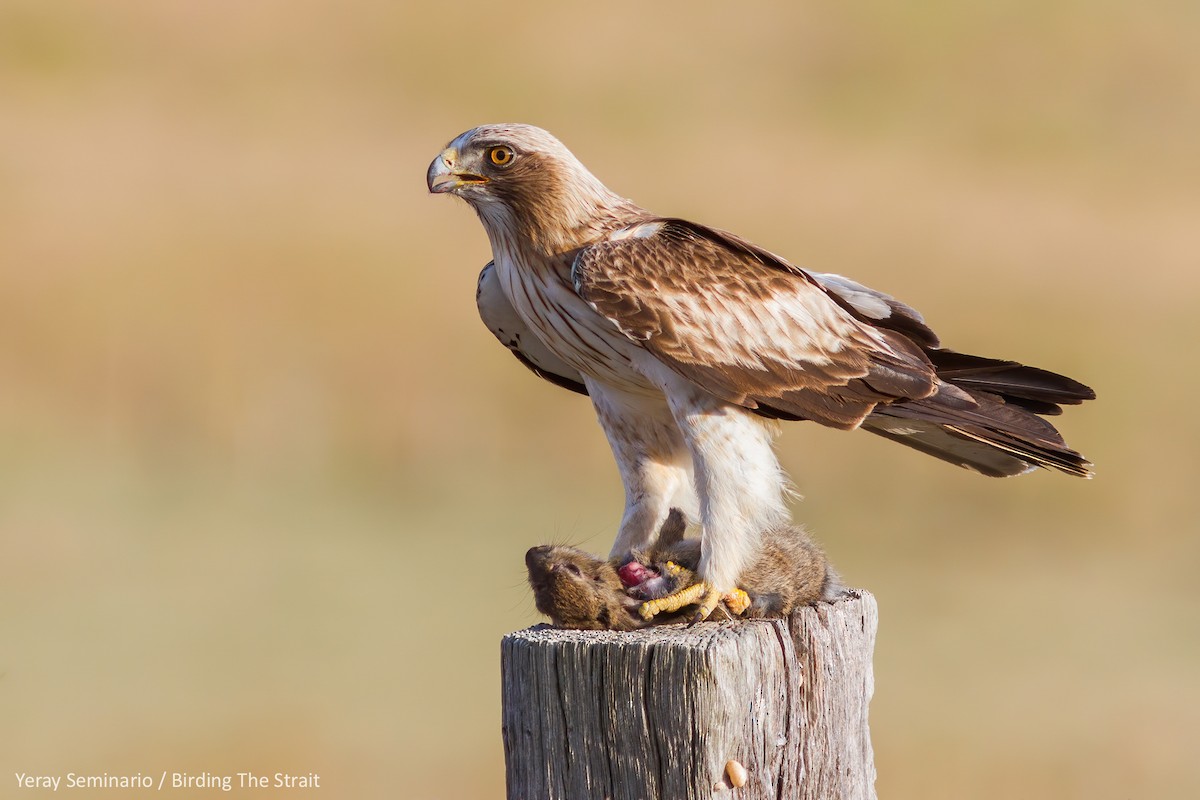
578 590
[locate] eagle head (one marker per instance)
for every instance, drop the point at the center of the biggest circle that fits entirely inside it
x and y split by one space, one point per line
523 181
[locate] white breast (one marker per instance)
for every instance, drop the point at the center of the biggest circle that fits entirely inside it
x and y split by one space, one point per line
545 298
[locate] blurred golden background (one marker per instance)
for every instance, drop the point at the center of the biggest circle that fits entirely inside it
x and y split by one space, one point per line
268 482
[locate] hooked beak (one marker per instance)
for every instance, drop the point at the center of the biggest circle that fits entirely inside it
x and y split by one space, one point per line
444 177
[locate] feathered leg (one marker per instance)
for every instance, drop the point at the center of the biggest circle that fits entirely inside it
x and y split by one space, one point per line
653 460
740 485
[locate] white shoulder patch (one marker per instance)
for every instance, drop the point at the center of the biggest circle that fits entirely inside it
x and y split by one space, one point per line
867 302
642 231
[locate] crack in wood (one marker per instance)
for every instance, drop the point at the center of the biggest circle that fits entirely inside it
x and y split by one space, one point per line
659 712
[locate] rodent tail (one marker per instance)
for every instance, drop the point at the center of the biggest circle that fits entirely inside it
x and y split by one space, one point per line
833 589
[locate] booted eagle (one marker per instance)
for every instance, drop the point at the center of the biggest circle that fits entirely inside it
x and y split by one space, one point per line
689 340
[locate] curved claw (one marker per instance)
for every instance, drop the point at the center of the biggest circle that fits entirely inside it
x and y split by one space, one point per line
708 603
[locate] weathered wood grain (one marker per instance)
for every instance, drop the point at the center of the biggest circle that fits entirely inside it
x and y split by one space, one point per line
658 713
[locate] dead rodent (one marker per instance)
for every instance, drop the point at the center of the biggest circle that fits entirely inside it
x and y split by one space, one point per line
577 590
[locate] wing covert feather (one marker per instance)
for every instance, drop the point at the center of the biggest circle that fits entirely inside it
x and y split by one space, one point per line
746 325
878 308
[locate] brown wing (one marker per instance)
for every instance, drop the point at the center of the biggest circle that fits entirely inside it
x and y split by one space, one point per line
746 325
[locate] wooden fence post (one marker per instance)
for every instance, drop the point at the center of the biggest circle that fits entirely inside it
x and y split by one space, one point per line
659 713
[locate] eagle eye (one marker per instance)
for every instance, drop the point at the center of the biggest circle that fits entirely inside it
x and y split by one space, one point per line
500 156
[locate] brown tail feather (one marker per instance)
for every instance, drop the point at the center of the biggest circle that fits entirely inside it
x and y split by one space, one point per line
1037 390
984 416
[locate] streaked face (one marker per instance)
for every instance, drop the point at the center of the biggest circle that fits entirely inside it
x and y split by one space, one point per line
523 183
495 162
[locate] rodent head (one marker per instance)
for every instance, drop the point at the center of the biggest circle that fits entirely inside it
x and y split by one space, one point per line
577 590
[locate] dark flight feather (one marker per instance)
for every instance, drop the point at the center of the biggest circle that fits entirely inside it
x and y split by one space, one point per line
983 414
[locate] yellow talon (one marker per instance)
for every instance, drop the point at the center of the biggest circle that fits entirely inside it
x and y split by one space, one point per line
712 598
736 601
673 602
708 598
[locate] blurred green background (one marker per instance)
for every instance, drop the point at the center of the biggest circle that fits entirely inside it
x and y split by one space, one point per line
266 481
